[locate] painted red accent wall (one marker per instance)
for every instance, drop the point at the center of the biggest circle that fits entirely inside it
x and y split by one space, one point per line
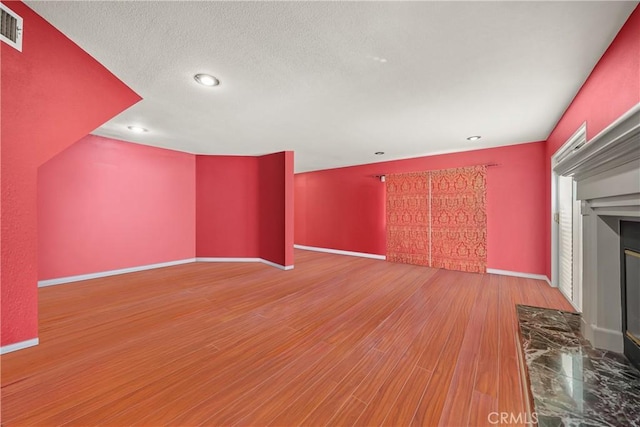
53 94
244 207
105 205
344 208
612 88
275 188
227 206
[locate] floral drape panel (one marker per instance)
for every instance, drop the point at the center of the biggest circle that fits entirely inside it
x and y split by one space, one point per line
438 219
407 218
459 219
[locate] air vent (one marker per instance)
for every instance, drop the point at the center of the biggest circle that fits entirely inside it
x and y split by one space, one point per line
10 27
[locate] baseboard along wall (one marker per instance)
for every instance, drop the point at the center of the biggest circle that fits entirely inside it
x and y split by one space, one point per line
518 274
19 345
382 257
71 279
262 260
340 252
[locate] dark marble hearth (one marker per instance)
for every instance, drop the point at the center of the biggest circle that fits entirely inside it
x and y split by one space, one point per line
572 383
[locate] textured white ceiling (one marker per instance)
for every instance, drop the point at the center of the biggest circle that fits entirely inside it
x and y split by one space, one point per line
303 76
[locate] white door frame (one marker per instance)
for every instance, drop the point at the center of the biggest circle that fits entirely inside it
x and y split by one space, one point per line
577 140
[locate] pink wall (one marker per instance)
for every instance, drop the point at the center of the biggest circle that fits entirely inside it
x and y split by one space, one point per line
47 104
344 208
612 89
227 206
245 207
105 205
276 207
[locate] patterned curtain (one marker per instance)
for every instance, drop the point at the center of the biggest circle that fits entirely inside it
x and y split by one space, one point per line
438 219
407 218
459 219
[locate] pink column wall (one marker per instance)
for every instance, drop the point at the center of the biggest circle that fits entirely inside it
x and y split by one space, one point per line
48 103
245 207
105 205
613 87
227 207
276 207
344 208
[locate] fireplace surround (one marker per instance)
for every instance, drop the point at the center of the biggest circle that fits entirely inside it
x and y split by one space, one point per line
607 174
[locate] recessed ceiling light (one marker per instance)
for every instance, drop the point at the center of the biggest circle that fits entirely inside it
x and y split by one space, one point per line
474 138
206 80
137 129
379 153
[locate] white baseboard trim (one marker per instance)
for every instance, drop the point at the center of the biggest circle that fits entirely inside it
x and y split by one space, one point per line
222 259
518 274
586 329
607 339
273 264
530 276
19 345
340 252
264 261
570 301
575 307
70 279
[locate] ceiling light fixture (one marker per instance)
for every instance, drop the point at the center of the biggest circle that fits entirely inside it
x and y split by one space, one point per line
206 80
379 153
137 129
474 138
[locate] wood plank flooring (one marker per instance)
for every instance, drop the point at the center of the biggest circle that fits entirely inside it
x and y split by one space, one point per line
337 341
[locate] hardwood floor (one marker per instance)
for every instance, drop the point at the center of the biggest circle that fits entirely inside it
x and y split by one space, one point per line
337 341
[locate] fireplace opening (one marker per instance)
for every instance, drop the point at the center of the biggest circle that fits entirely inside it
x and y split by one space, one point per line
630 278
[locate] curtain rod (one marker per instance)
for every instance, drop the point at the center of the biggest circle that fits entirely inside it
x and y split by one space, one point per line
489 165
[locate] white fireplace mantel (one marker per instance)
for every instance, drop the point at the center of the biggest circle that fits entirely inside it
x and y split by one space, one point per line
607 173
